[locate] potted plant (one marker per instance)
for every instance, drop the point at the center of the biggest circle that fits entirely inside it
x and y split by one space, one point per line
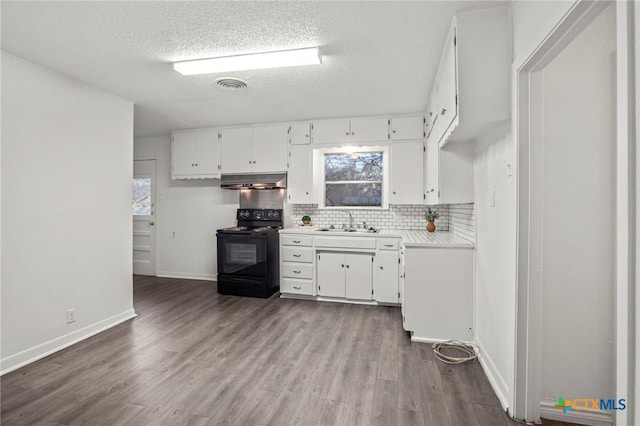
431 216
306 220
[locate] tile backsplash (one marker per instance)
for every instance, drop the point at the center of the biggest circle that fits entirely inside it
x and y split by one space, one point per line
458 218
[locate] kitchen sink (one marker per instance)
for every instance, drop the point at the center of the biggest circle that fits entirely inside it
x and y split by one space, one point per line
359 231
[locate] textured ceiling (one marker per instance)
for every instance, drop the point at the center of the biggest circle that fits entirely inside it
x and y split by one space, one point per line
378 57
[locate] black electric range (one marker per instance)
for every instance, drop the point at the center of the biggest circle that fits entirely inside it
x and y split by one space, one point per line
248 254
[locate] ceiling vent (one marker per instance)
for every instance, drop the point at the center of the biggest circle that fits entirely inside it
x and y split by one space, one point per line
231 83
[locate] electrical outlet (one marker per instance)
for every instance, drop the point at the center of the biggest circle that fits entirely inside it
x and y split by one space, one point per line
173 234
71 316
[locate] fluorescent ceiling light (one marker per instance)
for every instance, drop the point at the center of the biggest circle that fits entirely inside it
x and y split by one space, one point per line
255 61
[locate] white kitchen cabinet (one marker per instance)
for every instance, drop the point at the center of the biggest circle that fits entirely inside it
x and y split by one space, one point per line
344 275
407 128
438 293
296 265
472 87
236 150
270 149
300 174
195 154
350 131
369 129
261 149
330 131
449 173
300 134
406 173
330 275
385 277
358 276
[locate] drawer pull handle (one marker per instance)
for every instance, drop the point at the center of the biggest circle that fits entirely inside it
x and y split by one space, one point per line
297 272
388 245
381 268
296 242
297 288
297 255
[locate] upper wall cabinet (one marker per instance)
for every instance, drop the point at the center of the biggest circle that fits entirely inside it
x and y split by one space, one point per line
195 154
254 149
406 173
407 128
346 131
472 87
300 134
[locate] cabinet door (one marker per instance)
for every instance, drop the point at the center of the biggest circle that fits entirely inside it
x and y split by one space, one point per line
406 173
404 128
299 176
385 278
330 269
433 166
330 131
270 149
369 129
183 154
207 153
300 134
432 109
447 87
236 150
358 276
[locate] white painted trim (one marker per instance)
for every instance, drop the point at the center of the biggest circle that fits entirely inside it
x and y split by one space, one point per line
625 210
529 120
13 362
187 276
335 299
496 381
585 417
419 339
156 210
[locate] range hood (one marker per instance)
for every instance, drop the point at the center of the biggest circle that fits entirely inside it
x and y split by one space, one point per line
254 181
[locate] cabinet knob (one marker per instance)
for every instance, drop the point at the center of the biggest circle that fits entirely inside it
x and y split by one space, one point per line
254 161
306 193
394 192
196 164
342 266
444 110
381 268
352 133
306 136
393 131
347 133
347 266
249 161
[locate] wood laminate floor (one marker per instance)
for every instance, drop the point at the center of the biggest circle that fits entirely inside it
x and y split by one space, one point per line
195 357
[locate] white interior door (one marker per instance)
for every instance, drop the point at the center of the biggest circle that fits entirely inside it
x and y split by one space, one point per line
144 178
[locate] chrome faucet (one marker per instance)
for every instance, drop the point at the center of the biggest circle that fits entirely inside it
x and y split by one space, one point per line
350 218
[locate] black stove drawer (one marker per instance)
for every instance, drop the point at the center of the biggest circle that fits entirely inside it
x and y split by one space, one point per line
237 286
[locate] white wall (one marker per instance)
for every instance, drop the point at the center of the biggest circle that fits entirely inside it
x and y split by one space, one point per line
194 209
495 289
578 330
66 220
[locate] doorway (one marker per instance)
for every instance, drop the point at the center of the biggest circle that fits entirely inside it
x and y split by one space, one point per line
568 227
144 183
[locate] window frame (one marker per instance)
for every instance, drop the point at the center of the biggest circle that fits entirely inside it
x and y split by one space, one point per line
319 176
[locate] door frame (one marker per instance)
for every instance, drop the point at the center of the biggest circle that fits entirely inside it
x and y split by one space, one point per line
528 117
156 214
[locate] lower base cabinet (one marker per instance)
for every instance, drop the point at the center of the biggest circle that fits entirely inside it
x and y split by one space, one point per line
345 275
385 279
438 293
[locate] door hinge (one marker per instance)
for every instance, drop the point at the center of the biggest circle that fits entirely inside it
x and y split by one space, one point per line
388 136
455 40
456 99
318 259
389 122
424 134
372 292
398 261
438 193
424 196
289 130
371 259
219 135
290 198
424 149
398 295
318 287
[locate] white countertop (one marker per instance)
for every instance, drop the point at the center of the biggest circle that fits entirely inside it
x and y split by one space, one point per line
409 238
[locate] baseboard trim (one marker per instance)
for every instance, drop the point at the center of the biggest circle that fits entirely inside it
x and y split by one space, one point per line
496 381
418 339
336 300
187 276
13 362
586 417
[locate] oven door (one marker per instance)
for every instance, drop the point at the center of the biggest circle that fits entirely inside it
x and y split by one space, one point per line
242 255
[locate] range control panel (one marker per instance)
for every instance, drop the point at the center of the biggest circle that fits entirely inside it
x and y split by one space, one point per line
259 214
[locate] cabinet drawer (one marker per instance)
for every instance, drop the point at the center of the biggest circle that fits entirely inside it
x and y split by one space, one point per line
345 242
296 240
296 286
297 254
297 270
387 244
